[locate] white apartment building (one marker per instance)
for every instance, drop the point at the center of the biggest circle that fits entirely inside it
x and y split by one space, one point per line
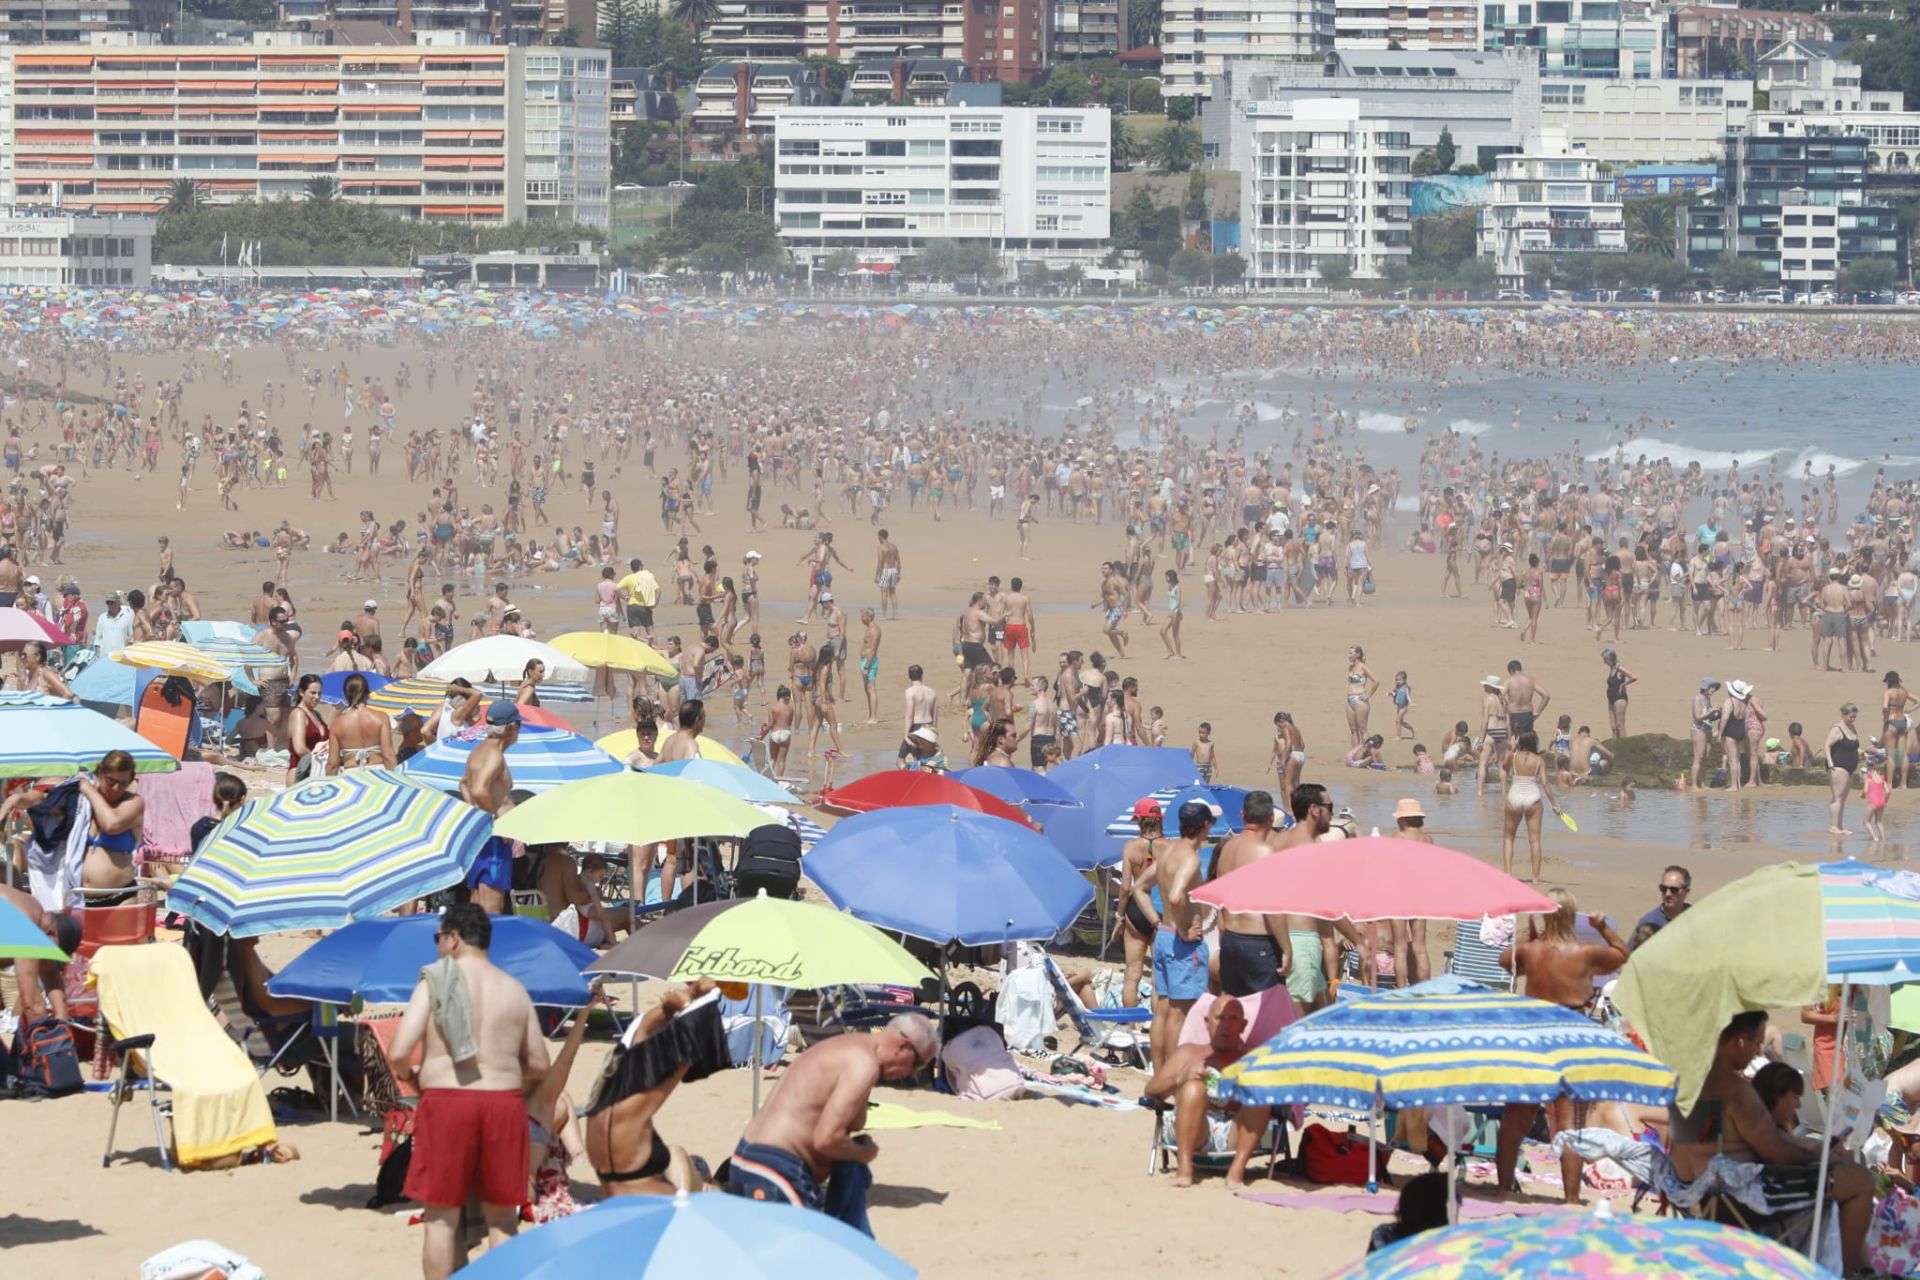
1324 182
884 182
1414 25
1199 42
456 133
1647 121
1549 200
49 247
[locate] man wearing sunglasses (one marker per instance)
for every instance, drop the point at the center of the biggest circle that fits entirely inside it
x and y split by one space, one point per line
806 1147
1675 883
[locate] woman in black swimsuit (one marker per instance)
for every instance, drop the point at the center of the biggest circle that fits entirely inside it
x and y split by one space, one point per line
1138 920
1843 761
1618 678
667 1046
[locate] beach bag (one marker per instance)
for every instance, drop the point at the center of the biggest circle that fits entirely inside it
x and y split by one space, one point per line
1366 584
1893 1241
47 1061
978 1066
1337 1159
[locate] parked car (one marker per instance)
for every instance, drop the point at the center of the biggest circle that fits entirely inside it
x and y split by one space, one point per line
1774 296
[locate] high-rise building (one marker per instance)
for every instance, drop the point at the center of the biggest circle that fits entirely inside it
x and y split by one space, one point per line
1090 28
998 39
1547 201
1589 39
469 133
1198 43
1414 25
1324 182
1704 40
73 22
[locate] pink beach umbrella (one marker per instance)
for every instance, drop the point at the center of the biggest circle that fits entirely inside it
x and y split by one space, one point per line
1374 878
17 626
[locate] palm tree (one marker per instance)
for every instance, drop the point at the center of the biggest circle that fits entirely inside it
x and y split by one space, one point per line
1652 227
1176 149
322 188
184 195
697 14
1124 142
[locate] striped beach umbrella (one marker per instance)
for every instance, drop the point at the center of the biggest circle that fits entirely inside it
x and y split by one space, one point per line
48 739
540 760
415 693
1226 802
324 853
173 658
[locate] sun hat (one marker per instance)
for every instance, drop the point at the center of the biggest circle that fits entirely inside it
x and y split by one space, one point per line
1409 808
926 734
1740 689
1492 682
371 605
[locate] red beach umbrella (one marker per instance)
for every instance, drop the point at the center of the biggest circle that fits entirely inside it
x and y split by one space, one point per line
896 788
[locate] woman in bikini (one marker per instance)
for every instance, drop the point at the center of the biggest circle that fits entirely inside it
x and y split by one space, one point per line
664 1049
361 735
306 731
1896 709
1530 591
37 677
1138 916
1529 789
1361 686
530 677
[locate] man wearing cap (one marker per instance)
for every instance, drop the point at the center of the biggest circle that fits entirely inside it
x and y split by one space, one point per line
639 591
1254 951
1179 945
487 784
367 626
112 630
74 614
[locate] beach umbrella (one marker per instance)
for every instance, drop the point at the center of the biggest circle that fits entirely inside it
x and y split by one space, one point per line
500 660
1017 786
1226 802
621 653
379 961
21 939
949 875
333 685
17 626
1373 878
416 694
54 739
734 779
1585 1246
1106 781
170 657
667 1238
329 851
625 807
539 760
897 788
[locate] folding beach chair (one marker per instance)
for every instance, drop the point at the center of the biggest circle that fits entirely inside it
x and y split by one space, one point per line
1102 1030
1163 1148
1474 960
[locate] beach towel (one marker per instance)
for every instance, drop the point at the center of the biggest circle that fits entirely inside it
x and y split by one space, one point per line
175 801
1026 1009
452 1006
219 1108
53 870
199 1260
891 1115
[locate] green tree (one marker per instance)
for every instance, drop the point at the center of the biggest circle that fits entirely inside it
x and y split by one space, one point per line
1868 275
1444 152
839 262
1182 108
1124 143
1194 208
697 15
1734 274
1443 241
1176 149
1143 23
1652 225
1334 272
566 38
1066 87
322 189
1425 164
184 195
1190 266
619 28
1538 269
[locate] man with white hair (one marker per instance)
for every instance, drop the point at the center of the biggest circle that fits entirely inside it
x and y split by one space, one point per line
806 1146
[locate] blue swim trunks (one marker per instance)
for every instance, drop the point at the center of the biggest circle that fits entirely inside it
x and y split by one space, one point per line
760 1172
1179 966
494 867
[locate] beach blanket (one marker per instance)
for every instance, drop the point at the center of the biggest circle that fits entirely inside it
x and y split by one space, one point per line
175 801
1387 1203
1080 1094
219 1108
891 1115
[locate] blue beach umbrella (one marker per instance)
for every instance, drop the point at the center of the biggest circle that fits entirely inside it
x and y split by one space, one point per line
948 874
21 939
333 685
1017 786
42 740
1106 782
540 760
657 1238
380 960
734 779
1228 800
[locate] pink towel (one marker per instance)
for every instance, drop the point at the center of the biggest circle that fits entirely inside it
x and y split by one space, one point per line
175 801
1385 1203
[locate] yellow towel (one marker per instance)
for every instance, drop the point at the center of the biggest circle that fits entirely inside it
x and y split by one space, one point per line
891 1115
219 1108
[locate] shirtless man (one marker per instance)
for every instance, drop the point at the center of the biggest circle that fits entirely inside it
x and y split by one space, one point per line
1179 949
1559 969
870 663
1183 1079
1313 946
281 639
806 1147
1830 622
1021 629
886 573
1043 722
921 709
487 784
470 1128
970 631
680 744
1255 954
40 983
1526 701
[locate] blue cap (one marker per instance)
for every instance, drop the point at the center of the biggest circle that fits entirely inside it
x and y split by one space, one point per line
503 712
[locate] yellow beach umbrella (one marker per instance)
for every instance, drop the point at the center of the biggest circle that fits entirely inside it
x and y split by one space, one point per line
622 653
621 743
174 659
629 808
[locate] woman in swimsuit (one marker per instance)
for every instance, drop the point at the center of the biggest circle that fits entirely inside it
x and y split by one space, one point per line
1896 710
37 677
361 735
1618 678
1138 915
1529 788
1705 726
663 1050
1361 686
306 731
530 677
1843 761
115 812
1530 591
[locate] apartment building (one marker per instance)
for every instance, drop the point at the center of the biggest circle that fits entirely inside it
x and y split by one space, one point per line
514 21
999 39
467 133
1406 24
1548 201
741 97
1199 43
1325 182
1090 28
885 182
1647 121
1707 41
1587 39
52 247
73 22
908 82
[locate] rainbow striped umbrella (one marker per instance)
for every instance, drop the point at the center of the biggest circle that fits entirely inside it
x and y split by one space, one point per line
174 659
540 760
424 694
324 853
1584 1246
44 738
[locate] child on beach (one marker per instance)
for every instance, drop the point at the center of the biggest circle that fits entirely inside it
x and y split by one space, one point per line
1444 786
1156 726
1402 703
1876 805
1422 762
1204 759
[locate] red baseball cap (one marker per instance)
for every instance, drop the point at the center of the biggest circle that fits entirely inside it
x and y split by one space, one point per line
1146 807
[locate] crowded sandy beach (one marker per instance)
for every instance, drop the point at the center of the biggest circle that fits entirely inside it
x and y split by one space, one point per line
1124 695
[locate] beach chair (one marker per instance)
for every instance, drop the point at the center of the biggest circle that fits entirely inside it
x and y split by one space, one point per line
1474 960
167 1039
1163 1148
1103 1031
382 1094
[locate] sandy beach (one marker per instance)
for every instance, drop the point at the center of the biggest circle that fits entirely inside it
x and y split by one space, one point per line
1059 1187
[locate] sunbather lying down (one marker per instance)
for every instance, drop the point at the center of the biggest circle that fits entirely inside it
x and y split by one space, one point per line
664 1048
1203 1122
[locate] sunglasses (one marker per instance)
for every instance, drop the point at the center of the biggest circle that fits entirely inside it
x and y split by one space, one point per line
1673 888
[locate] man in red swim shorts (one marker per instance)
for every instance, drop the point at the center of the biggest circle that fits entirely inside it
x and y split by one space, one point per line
1020 624
480 1046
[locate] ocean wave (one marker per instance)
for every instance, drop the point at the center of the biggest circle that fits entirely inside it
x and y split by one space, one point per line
1469 426
1843 465
1381 422
1718 460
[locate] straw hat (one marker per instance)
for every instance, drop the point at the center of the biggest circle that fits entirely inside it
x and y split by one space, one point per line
1408 808
1740 689
1493 683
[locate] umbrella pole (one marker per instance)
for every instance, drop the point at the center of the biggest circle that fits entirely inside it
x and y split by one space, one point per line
1833 1095
1373 1180
757 989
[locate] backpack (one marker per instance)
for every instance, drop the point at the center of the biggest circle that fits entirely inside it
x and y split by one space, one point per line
46 1059
1338 1159
770 860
